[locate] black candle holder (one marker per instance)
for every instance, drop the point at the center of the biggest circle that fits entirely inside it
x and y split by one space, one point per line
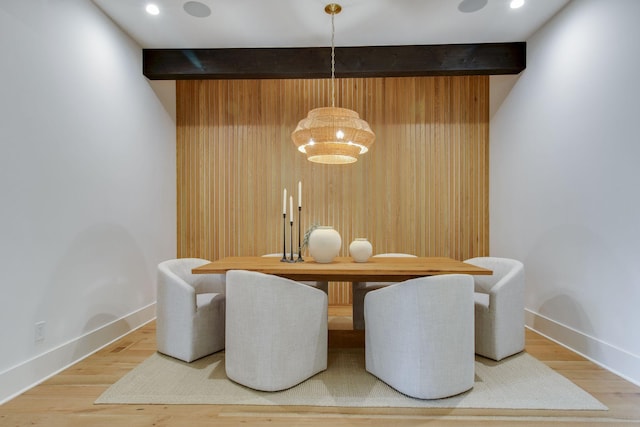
299 243
291 238
284 238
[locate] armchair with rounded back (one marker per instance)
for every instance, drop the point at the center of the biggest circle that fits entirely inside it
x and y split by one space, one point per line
499 307
419 335
190 310
276 331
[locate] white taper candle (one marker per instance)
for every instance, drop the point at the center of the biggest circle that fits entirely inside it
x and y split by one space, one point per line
291 207
299 194
284 203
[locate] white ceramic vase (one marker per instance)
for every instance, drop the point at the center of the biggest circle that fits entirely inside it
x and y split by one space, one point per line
360 249
324 244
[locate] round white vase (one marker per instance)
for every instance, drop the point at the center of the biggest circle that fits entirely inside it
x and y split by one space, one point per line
360 249
324 244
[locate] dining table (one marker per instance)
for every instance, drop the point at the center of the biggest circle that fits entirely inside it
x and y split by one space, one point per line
345 269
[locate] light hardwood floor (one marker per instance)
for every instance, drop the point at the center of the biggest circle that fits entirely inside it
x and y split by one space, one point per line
67 398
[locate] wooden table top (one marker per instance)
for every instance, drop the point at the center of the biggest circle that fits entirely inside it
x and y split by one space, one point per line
344 269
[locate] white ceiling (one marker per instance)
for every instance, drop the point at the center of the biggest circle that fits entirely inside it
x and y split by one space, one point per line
303 23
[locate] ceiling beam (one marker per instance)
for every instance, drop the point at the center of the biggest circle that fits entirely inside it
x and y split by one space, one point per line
315 62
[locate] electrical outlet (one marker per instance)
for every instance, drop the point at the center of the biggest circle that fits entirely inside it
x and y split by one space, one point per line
39 336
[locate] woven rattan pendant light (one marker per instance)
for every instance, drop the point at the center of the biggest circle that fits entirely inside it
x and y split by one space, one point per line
333 135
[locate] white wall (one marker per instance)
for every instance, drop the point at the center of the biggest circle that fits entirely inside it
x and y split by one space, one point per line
565 153
87 187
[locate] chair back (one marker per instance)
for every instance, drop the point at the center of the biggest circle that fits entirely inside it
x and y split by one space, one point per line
419 337
394 255
279 255
276 330
179 270
504 269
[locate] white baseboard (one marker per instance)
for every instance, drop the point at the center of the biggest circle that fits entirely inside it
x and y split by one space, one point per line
30 373
616 360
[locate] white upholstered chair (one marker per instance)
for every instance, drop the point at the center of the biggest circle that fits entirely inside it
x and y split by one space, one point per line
360 290
322 285
419 335
499 307
190 310
276 331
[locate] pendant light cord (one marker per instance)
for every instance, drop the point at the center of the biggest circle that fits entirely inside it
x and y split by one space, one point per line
333 62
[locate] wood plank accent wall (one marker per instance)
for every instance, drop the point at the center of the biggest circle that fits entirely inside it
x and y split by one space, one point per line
422 188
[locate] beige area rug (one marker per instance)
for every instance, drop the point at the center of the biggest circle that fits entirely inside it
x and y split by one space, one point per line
519 382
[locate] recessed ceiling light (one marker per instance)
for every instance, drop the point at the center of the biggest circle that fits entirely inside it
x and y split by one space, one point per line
470 6
197 9
152 9
515 4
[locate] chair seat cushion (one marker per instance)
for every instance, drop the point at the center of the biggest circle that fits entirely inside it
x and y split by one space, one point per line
205 299
480 298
